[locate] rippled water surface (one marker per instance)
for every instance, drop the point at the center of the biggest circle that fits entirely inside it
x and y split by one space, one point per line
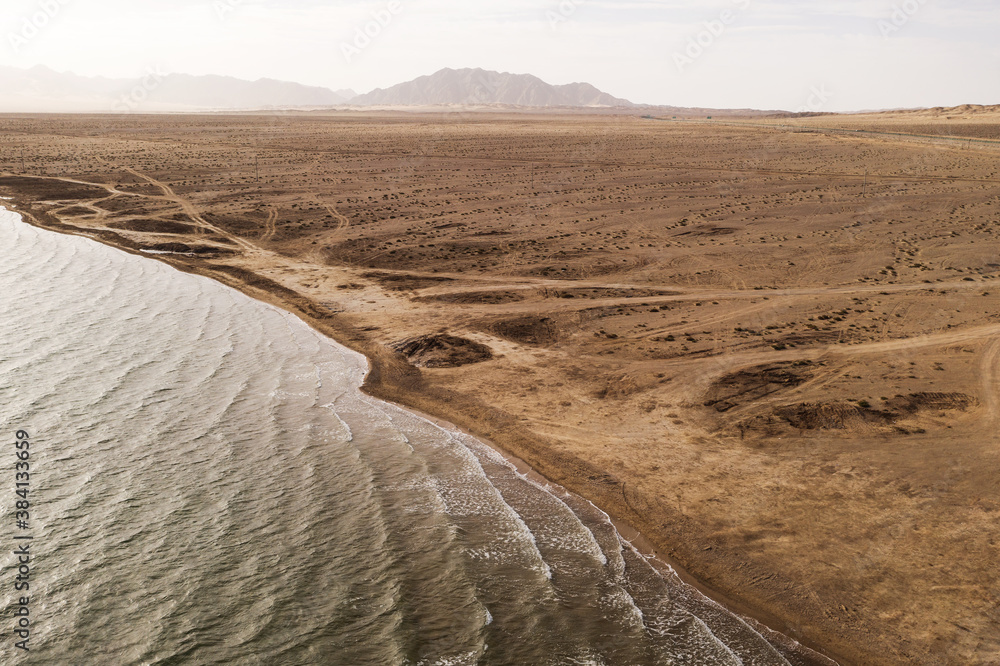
211 487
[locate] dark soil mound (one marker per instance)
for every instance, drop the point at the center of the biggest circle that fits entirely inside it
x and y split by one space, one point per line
155 226
402 282
931 401
443 351
526 330
855 416
832 416
754 383
44 189
596 293
477 298
125 205
184 248
75 211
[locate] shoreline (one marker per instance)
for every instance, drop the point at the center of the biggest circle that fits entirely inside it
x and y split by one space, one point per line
391 380
663 563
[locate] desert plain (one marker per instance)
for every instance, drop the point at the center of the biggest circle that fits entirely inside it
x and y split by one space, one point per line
771 345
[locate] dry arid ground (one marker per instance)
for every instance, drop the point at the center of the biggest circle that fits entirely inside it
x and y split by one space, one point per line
785 374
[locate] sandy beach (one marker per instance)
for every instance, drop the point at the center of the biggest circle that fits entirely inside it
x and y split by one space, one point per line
772 353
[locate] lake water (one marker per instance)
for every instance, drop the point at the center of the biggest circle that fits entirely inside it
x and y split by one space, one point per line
209 486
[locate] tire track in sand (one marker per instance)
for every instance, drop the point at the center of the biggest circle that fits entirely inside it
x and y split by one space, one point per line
343 222
190 210
989 377
270 225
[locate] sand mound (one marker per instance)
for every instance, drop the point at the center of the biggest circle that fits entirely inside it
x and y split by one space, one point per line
619 388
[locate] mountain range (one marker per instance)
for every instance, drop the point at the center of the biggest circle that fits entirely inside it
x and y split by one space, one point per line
41 89
473 87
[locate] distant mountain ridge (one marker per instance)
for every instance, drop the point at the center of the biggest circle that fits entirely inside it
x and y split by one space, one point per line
43 89
963 110
474 87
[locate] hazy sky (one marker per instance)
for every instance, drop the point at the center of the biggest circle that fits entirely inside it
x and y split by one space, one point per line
829 55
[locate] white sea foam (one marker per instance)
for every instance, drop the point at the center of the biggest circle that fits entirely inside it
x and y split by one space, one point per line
183 254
